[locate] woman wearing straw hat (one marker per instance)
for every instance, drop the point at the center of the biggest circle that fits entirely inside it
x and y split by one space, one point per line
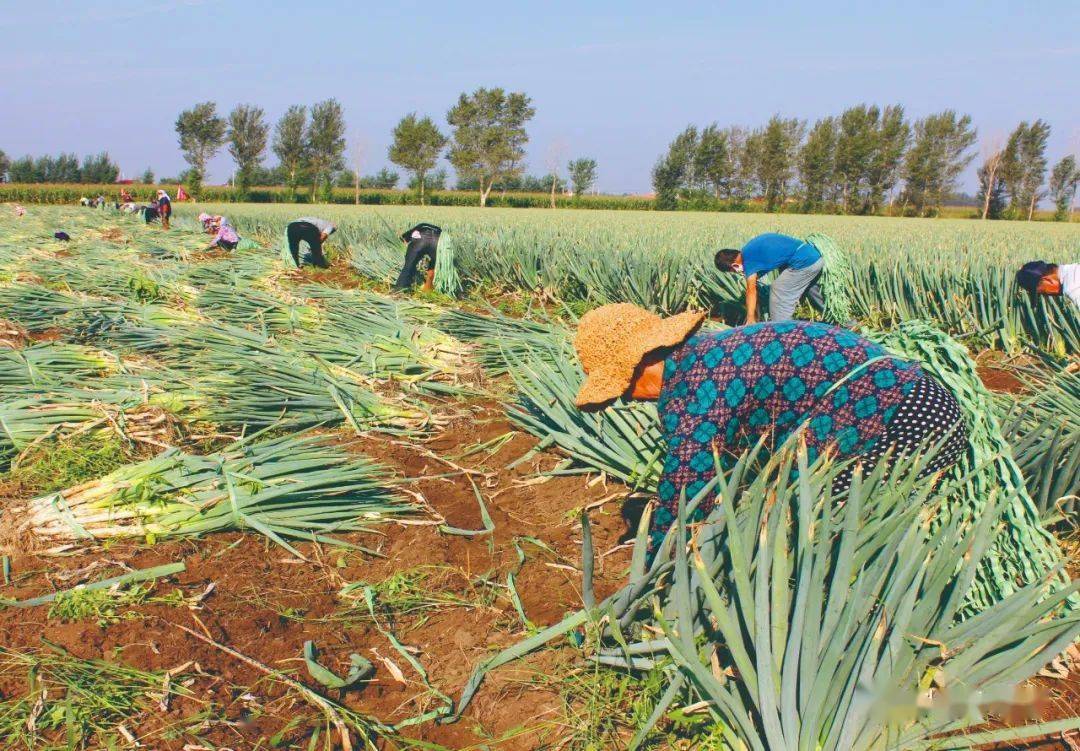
722 391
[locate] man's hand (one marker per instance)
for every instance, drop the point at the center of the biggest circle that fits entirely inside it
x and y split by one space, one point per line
323 236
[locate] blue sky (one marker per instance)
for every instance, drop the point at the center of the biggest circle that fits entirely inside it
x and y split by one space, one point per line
611 80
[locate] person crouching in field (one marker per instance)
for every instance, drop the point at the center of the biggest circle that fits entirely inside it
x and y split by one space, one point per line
314 232
150 212
422 241
800 265
719 393
1042 278
225 236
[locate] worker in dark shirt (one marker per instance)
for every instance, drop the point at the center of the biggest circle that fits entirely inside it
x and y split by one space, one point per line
421 241
164 208
313 231
150 212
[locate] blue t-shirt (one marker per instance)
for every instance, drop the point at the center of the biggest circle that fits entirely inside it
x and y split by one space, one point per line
772 250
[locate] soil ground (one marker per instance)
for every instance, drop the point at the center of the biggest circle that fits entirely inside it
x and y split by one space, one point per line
265 603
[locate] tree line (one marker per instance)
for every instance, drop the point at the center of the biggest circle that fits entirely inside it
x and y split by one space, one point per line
485 146
62 168
863 161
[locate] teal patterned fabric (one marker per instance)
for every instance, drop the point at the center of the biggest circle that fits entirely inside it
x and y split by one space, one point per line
724 390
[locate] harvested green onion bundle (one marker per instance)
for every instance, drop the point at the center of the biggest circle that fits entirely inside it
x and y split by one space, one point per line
372 334
837 279
1023 551
497 337
244 306
293 487
39 309
378 259
447 281
262 390
50 364
25 421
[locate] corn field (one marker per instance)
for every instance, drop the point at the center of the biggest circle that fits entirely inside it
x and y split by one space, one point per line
246 395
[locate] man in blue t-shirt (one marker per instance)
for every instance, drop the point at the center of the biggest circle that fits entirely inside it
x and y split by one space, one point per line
799 263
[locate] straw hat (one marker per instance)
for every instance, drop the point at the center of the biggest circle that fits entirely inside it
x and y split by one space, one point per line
612 340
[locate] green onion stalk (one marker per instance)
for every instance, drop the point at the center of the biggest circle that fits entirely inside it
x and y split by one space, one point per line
1043 429
837 279
52 363
792 620
287 488
1023 551
447 281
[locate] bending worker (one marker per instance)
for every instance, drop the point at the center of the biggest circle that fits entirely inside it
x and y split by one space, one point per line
1055 280
800 265
314 232
422 241
164 208
723 391
225 236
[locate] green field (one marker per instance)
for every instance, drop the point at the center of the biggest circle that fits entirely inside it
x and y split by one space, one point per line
253 506
955 273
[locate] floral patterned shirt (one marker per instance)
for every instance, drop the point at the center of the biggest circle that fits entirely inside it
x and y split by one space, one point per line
724 390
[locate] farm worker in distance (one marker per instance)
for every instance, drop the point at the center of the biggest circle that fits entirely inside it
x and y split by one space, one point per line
211 222
800 265
421 241
314 232
125 196
164 208
1042 278
723 390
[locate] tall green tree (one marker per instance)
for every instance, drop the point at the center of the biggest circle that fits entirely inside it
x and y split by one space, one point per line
673 175
435 180
98 169
778 145
991 186
744 155
325 145
667 178
147 177
1023 166
817 163
582 174
417 146
714 163
63 168
489 136
1064 179
5 164
23 170
937 157
201 132
248 134
290 146
883 172
856 144
991 196
869 153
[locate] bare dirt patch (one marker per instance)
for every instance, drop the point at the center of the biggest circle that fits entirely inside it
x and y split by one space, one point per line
265 603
